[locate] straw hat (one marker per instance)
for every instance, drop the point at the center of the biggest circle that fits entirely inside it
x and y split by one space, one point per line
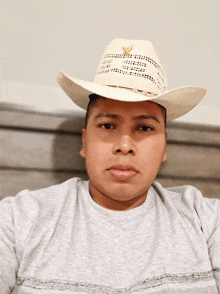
129 70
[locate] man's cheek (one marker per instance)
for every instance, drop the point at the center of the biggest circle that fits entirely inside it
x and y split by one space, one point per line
100 149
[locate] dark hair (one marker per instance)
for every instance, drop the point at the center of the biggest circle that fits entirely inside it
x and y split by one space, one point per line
93 98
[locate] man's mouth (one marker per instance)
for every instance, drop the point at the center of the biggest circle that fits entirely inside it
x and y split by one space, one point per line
122 171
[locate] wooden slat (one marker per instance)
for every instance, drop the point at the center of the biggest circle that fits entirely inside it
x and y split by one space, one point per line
25 149
38 145
74 121
21 118
193 134
14 181
192 161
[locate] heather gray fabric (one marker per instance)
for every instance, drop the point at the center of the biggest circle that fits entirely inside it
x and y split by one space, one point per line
58 240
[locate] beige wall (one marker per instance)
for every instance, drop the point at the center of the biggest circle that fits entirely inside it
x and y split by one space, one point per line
40 37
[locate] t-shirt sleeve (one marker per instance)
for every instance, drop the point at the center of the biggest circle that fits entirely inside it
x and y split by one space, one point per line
8 258
17 215
209 214
214 241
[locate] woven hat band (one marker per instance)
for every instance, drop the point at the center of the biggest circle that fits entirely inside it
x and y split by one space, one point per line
134 90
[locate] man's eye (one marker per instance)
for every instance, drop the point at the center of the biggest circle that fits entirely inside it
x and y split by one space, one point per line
107 126
145 128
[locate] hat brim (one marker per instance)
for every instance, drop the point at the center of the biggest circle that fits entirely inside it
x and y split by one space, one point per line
177 102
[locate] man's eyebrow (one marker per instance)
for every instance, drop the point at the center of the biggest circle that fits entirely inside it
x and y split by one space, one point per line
109 115
116 116
142 117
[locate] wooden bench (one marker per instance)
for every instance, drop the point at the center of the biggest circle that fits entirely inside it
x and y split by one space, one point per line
41 149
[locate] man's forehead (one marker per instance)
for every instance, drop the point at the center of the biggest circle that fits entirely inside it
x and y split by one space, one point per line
117 107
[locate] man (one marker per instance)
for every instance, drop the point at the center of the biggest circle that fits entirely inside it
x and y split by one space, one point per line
119 232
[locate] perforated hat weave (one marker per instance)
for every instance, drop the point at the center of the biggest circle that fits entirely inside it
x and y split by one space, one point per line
130 70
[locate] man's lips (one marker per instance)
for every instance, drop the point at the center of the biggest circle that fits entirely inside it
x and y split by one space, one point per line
123 167
122 171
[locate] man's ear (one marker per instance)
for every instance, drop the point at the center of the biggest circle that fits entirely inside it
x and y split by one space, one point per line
165 151
83 150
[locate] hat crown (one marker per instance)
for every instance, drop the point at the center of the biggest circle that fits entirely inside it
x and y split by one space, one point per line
131 64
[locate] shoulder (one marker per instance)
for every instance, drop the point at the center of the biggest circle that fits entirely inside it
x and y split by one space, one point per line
21 213
186 193
28 203
189 201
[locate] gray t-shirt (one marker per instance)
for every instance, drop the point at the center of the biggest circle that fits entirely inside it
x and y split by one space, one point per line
58 240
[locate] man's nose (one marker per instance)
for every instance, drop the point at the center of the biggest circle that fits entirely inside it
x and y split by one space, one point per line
124 145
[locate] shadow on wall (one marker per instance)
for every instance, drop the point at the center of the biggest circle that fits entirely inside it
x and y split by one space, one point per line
66 159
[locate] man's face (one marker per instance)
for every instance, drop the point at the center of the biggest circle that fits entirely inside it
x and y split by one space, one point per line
124 145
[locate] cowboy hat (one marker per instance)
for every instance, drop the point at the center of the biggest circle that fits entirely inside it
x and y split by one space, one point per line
129 70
